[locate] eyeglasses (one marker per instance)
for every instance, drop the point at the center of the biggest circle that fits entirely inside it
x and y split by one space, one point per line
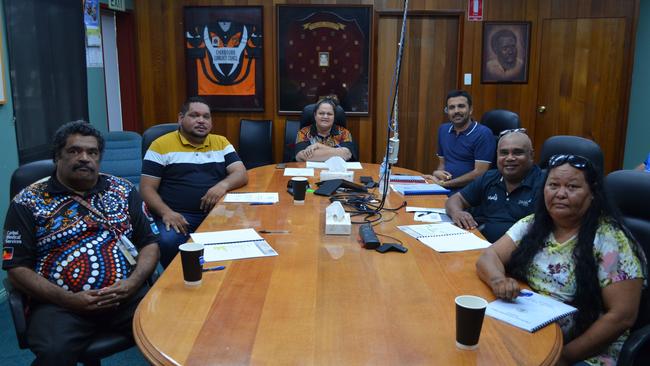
575 161
511 130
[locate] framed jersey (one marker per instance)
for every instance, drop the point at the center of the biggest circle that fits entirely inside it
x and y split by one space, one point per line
323 50
224 56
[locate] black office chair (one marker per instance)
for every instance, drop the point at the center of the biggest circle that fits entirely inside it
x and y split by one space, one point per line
155 131
122 155
29 173
255 142
307 117
573 145
500 120
629 191
103 344
291 128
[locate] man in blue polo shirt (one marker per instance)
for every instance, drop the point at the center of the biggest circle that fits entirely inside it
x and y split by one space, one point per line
185 173
504 195
465 147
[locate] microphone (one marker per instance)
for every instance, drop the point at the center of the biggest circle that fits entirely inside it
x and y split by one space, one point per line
393 149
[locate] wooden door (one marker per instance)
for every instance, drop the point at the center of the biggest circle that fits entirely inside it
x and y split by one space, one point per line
429 71
581 83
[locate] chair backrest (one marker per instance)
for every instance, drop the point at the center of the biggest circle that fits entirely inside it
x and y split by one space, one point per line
291 128
500 120
573 145
29 173
153 132
629 191
255 142
307 117
122 155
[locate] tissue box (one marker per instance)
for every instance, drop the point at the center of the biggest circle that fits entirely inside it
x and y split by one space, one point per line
327 175
342 227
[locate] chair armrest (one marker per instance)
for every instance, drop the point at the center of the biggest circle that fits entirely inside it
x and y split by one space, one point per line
633 345
16 302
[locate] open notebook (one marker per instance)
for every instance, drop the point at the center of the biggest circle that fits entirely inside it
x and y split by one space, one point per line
530 311
233 244
445 237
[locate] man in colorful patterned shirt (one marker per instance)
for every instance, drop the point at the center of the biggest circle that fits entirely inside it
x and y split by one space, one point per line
185 173
80 245
323 139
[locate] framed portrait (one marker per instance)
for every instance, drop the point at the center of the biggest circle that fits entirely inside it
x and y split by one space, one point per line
506 52
224 56
323 51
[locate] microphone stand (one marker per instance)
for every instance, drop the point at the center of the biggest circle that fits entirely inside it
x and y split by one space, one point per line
392 143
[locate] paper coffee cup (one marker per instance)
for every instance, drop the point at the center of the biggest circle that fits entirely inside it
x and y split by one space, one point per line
470 311
192 260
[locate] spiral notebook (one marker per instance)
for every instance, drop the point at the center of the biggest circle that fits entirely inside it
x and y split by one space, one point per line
530 311
445 237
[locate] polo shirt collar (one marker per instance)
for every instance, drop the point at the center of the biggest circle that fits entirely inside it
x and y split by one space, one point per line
466 131
528 180
54 186
184 141
333 131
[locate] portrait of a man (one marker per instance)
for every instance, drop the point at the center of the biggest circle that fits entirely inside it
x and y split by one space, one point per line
505 52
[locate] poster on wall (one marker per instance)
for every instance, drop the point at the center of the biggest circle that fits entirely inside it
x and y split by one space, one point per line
505 52
224 56
323 51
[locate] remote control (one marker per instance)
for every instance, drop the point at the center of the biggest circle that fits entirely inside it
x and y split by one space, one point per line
367 234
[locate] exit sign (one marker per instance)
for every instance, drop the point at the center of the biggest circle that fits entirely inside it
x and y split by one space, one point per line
117 5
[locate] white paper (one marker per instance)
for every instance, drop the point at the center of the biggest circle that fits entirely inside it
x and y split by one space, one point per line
299 172
427 217
445 228
425 209
255 197
454 243
321 165
226 236
530 311
233 244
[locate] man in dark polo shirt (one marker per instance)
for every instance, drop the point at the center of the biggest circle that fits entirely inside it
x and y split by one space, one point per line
465 147
70 246
185 173
503 195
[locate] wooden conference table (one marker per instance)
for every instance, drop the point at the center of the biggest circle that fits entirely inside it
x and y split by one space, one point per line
324 300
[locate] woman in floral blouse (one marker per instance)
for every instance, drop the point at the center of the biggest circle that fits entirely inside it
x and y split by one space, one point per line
574 249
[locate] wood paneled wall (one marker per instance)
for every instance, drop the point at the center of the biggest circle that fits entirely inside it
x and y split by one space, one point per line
161 80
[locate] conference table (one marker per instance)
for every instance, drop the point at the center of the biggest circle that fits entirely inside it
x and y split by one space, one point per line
325 300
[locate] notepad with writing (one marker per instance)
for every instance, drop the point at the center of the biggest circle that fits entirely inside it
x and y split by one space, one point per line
445 237
530 311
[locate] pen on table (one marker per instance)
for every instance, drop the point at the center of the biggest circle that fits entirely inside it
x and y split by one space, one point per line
217 268
260 203
274 231
525 294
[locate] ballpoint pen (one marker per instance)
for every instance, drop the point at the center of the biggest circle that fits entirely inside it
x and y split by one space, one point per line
217 268
274 231
260 203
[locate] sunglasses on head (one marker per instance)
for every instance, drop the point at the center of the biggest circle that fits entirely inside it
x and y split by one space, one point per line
511 130
575 161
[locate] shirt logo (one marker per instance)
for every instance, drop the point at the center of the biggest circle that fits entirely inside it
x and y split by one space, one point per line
7 253
524 203
13 237
493 197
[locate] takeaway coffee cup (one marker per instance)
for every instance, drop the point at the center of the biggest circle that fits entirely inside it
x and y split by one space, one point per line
470 311
192 260
299 185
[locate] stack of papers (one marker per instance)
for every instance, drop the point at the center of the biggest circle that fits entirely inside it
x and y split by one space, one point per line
530 311
254 197
321 165
233 244
419 188
445 237
299 172
398 178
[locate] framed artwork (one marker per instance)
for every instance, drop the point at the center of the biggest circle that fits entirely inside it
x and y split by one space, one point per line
506 52
224 56
323 51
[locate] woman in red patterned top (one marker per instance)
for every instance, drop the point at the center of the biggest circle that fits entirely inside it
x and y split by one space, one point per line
323 139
